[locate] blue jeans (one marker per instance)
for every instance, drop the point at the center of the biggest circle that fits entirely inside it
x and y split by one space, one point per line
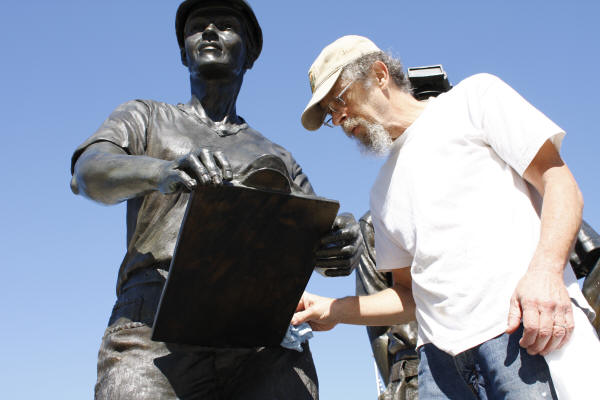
496 369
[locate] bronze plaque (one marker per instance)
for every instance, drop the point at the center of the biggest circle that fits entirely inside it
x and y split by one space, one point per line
242 260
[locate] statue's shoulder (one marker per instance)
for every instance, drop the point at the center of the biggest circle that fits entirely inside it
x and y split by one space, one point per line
152 105
143 106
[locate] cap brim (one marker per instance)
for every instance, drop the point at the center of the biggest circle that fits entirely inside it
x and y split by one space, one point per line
313 115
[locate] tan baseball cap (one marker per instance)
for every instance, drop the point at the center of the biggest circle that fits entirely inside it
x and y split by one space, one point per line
326 70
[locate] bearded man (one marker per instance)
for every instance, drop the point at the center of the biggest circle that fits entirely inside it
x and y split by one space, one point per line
475 215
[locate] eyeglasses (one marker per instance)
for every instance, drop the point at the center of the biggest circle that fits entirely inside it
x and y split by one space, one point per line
339 103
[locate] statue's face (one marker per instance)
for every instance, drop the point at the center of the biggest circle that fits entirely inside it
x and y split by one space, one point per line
215 45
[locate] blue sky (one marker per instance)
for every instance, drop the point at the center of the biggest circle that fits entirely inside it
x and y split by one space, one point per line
67 64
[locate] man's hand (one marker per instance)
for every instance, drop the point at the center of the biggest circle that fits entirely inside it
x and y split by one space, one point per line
184 173
542 302
315 310
341 248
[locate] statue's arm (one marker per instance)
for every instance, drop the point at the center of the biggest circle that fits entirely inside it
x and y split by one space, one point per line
106 173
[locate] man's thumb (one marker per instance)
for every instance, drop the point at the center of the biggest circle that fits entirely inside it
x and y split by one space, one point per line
300 317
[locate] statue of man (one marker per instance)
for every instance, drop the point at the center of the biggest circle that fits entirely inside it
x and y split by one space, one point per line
152 154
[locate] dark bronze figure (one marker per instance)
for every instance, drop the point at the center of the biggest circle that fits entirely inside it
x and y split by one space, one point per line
152 155
585 260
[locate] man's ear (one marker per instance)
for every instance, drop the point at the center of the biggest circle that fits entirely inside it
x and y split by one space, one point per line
381 73
183 56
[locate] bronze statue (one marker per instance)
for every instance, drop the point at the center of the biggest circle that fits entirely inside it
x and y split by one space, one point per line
585 260
152 155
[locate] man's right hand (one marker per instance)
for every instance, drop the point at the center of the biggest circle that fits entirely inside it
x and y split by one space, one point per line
315 310
201 167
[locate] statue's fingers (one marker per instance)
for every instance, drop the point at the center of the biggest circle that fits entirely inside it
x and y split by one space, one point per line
181 179
333 272
191 163
340 236
336 251
224 164
344 219
333 263
207 159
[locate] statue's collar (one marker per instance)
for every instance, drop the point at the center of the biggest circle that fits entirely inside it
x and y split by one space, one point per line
221 128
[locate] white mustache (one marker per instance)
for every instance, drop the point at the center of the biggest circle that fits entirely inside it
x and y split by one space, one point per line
376 141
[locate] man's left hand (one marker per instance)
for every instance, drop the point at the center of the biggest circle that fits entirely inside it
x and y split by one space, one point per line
541 300
340 249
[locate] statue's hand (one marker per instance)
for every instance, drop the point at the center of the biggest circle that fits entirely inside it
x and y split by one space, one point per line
185 173
340 249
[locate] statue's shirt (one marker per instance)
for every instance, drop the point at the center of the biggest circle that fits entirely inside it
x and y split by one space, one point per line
165 131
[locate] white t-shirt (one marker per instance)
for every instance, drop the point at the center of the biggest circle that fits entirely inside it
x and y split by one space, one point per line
451 203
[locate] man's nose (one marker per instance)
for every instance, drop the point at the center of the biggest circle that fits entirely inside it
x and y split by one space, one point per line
338 117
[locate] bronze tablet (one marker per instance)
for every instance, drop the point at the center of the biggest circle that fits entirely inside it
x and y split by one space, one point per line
242 260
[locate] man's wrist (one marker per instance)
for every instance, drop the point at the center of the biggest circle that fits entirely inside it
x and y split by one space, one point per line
341 309
548 264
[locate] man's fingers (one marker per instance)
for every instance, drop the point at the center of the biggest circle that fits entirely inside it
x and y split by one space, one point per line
207 159
563 329
514 316
301 316
224 164
301 304
559 331
544 331
569 323
531 322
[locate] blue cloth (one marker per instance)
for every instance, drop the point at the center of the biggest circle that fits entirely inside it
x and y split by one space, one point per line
496 369
296 335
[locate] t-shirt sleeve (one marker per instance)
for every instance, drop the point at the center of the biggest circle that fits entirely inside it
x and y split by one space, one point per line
512 126
389 255
126 127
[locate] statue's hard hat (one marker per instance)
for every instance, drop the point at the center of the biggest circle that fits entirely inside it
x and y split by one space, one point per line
252 28
327 68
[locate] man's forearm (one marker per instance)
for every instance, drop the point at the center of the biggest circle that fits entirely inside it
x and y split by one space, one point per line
388 307
560 220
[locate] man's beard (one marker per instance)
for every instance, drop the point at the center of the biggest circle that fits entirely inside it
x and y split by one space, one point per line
376 140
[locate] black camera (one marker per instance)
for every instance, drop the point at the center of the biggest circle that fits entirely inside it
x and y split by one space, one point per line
428 81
